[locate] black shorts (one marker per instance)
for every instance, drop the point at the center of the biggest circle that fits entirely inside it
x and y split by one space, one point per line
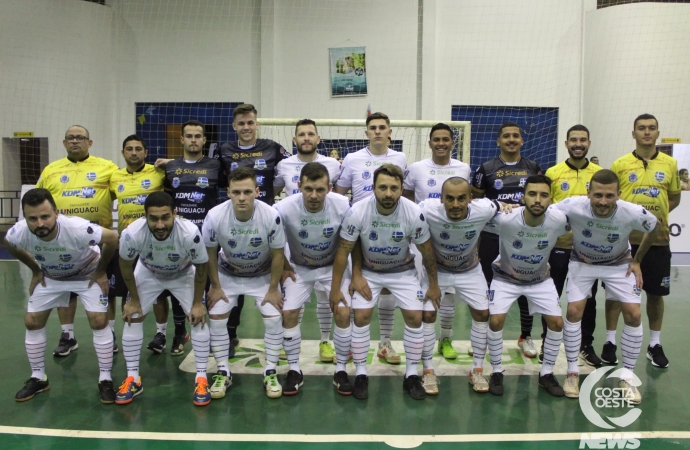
118 288
656 270
488 251
559 260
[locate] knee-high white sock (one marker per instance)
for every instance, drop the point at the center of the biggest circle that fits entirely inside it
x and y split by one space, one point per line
552 345
429 342
446 314
220 343
201 338
323 314
111 324
361 341
35 342
495 344
386 316
631 341
132 340
103 344
292 340
342 338
478 340
273 341
413 341
572 339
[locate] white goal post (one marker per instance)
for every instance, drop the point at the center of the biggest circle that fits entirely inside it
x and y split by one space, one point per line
410 136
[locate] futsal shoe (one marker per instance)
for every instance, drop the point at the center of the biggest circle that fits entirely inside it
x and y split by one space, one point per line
430 382
128 390
107 391
342 383
632 394
496 383
293 381
221 382
445 348
571 386
32 387
177 348
551 384
361 389
273 388
326 352
202 395
527 346
657 357
386 352
478 381
413 386
65 346
157 344
608 354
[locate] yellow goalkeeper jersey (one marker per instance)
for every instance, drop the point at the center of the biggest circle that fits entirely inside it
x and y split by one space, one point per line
568 181
81 188
131 190
648 184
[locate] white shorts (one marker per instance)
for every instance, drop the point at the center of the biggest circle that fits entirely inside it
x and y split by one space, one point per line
57 293
542 298
404 286
297 293
618 286
469 287
150 285
233 287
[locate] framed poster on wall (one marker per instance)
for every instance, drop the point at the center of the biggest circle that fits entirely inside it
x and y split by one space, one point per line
348 71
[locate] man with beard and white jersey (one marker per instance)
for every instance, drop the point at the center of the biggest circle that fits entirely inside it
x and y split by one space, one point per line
312 222
172 257
288 176
527 235
356 174
384 226
423 181
250 262
260 155
568 179
455 224
503 178
601 224
63 255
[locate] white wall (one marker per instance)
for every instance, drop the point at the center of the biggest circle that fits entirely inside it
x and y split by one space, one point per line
637 61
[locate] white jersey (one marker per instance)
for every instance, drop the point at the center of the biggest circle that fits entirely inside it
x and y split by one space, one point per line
524 250
426 178
358 171
288 170
385 239
245 246
312 237
168 257
73 254
604 241
455 242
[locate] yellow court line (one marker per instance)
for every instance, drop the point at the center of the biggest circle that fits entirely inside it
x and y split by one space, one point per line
403 441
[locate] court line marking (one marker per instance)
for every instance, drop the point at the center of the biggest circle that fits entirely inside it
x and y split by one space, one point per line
402 440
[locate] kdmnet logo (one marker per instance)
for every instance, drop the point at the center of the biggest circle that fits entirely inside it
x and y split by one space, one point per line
598 402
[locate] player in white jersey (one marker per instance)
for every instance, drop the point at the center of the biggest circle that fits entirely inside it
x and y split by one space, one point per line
527 235
384 225
423 181
356 174
250 262
63 255
601 224
312 222
172 257
288 175
455 224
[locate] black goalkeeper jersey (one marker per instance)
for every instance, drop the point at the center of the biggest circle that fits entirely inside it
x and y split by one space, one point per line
263 158
194 187
504 182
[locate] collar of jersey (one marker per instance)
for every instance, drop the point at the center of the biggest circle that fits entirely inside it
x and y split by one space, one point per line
522 215
397 207
602 218
641 158
234 217
371 154
195 162
136 171
509 164
77 162
575 168
304 208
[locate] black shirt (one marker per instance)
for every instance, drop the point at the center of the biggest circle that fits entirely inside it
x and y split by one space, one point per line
504 182
194 187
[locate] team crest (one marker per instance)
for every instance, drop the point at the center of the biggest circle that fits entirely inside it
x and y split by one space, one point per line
420 296
174 257
613 237
431 182
328 232
659 176
350 229
233 166
39 258
260 164
65 258
445 236
202 182
397 236
295 179
91 176
175 182
666 282
586 233
587 185
417 233
523 181
366 175
541 245
636 291
103 300
653 192
565 186
303 234
146 183
232 243
64 179
260 180
373 236
255 241
121 188
517 243
632 177
498 185
470 234
490 296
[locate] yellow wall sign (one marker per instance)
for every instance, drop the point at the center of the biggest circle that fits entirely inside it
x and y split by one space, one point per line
670 140
23 134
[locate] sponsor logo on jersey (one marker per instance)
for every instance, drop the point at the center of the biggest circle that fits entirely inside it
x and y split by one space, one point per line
366 175
233 166
530 259
431 182
368 188
407 172
470 234
498 184
260 180
190 171
174 257
39 258
246 255
202 182
303 234
420 296
646 225
131 252
260 164
659 176
120 188
565 186
586 233
295 191
541 245
232 243
235 231
388 251
649 192
514 197
434 195
212 235
373 236
138 200
632 177
597 248
328 232
613 237
192 253
295 179
320 247
397 236
87 192
91 176
590 223
149 255
350 230
256 241
64 179
146 183
175 182
242 155
456 248
523 181
417 232
517 243
666 282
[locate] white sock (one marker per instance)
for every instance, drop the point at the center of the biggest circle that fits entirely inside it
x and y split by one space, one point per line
361 341
201 338
132 340
429 342
69 329
611 336
342 338
273 341
103 344
631 342
161 327
478 337
654 338
446 314
572 339
386 316
220 343
36 342
111 324
324 315
552 344
495 344
413 342
292 340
